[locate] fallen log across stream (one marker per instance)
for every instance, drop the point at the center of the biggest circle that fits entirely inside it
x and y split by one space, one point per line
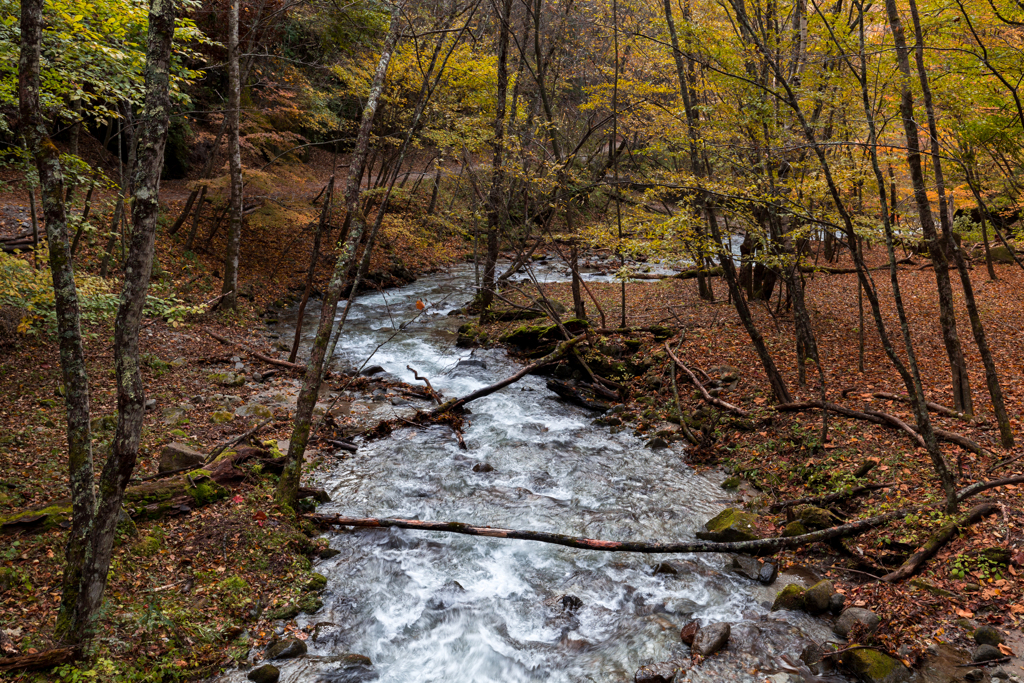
764 546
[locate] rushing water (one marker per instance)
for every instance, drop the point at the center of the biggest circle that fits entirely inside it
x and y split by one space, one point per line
441 607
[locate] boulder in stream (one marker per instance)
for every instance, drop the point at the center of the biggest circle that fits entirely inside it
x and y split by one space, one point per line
349 668
855 616
730 525
286 649
711 638
268 673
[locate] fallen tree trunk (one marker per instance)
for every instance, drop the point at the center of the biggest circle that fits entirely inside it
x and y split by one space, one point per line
828 498
40 660
255 354
159 498
887 420
763 546
932 406
454 404
945 533
704 392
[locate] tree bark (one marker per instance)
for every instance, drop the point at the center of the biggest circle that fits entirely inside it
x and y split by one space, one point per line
314 257
977 327
495 196
131 395
72 356
947 316
288 485
230 286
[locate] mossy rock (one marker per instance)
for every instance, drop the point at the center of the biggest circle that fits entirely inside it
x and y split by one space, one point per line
104 423
285 612
729 526
661 332
227 379
813 517
732 483
147 546
794 529
317 582
36 520
872 666
1000 254
527 336
218 417
310 604
791 597
816 598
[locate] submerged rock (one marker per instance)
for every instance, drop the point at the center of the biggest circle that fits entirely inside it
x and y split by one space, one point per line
349 668
730 525
663 672
689 632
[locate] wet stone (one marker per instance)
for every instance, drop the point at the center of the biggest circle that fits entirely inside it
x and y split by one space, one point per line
711 638
689 632
975 675
853 617
817 597
372 370
768 573
571 603
836 603
730 525
349 668
483 467
662 672
268 673
286 649
986 653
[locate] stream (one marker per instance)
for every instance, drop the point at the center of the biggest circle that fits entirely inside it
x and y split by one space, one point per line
443 607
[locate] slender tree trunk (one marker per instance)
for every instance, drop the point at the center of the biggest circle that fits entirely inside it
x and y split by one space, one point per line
288 484
977 327
314 257
191 239
230 287
947 315
72 356
131 397
495 196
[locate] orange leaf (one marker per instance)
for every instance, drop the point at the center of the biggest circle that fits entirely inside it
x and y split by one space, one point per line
1005 650
964 613
420 305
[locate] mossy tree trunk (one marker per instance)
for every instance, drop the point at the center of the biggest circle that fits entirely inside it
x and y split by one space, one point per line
72 355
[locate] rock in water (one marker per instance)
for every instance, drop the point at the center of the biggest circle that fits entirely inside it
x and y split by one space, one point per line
854 616
987 635
816 598
769 572
689 632
350 669
711 638
730 525
286 649
872 666
268 673
791 597
177 456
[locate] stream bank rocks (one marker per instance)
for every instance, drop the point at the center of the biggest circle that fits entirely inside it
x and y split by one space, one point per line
872 666
814 600
729 526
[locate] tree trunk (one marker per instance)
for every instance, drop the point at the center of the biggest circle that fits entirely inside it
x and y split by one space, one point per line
495 196
72 356
131 395
313 258
947 316
977 327
230 287
288 485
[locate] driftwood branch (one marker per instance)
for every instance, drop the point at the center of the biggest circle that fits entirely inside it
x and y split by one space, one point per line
260 356
562 349
704 392
761 547
945 533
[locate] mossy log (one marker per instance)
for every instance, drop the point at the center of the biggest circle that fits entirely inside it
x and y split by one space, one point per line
161 498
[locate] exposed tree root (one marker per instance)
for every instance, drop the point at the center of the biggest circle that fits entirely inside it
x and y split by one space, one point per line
945 533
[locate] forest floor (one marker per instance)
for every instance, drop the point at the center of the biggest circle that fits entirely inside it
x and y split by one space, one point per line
194 592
